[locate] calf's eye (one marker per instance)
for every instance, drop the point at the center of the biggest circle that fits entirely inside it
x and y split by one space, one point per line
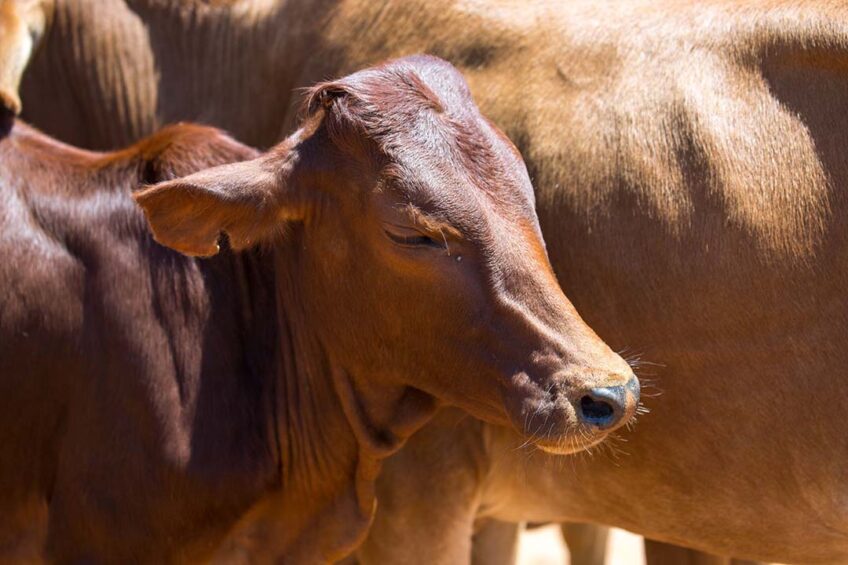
415 240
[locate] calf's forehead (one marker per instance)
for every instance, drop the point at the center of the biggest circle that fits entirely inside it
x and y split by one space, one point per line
440 151
460 167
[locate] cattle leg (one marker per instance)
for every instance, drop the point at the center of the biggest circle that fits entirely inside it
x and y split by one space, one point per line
659 553
495 543
587 543
428 496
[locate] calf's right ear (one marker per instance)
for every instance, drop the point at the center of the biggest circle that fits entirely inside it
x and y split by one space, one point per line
248 200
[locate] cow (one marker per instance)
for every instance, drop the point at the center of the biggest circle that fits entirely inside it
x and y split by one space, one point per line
383 259
688 164
700 154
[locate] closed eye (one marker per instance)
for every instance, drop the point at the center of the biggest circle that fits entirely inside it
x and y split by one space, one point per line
415 240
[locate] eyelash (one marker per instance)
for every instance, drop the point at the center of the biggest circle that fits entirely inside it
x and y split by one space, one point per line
415 240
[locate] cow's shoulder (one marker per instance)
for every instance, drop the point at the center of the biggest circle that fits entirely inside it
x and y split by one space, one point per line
67 218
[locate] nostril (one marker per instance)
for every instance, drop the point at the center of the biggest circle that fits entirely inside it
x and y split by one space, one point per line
604 406
598 412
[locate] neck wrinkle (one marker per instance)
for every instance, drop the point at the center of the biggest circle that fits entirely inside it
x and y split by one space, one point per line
317 499
330 449
313 433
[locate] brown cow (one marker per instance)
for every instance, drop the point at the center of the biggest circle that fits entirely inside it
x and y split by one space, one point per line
152 402
689 166
693 190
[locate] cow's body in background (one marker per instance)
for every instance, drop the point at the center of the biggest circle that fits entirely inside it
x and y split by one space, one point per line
696 202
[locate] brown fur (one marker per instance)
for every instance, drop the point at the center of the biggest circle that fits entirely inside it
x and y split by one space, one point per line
657 553
153 403
688 159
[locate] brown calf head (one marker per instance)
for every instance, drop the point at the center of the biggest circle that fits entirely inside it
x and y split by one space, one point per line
420 259
22 23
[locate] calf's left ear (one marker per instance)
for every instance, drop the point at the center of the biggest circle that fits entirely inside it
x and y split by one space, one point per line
247 200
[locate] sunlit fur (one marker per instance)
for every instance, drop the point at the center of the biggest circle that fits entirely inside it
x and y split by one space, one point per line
688 160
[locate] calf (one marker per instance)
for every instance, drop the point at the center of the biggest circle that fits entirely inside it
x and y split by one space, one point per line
384 258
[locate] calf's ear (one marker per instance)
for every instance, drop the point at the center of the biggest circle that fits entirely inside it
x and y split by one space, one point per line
247 200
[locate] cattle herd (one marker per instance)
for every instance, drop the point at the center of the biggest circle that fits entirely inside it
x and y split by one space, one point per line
447 267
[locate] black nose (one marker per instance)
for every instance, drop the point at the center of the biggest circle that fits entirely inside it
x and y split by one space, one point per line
603 407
